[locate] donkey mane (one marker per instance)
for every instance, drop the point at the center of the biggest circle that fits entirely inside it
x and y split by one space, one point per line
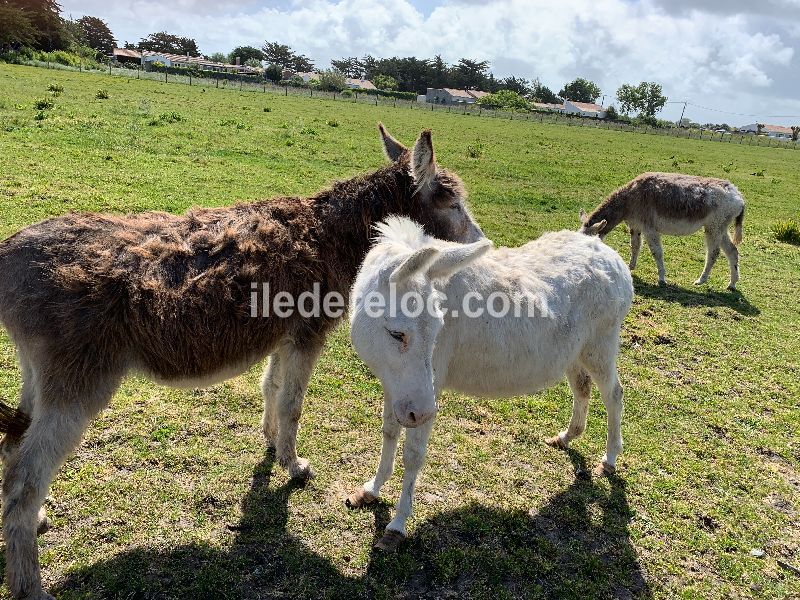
401 231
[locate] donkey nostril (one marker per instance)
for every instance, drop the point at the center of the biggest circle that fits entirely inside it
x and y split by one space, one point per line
413 417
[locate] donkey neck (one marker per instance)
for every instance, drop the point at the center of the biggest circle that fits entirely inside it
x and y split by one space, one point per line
348 213
614 210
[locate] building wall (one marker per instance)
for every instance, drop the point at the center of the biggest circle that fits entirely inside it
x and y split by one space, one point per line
445 97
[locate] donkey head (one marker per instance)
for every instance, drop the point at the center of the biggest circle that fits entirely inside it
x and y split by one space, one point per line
590 228
397 340
441 207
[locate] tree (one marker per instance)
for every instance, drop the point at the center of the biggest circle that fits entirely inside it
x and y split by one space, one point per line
580 90
245 53
170 44
16 29
98 34
611 113
273 73
219 57
504 99
45 16
760 128
646 98
470 74
795 133
440 72
542 93
302 64
331 80
519 85
385 82
350 67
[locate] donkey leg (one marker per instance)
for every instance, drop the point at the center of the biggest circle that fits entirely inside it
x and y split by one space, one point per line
391 433
270 384
600 362
298 365
9 445
581 385
654 241
713 242
636 245
414 451
732 252
56 428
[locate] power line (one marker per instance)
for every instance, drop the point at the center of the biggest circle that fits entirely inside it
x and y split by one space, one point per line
727 112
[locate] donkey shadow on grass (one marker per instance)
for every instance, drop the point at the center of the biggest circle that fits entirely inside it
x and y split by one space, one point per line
576 546
732 299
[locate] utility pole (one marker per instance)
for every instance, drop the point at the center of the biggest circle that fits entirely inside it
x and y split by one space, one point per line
683 111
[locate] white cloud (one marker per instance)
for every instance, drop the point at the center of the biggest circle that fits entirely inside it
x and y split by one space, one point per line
713 53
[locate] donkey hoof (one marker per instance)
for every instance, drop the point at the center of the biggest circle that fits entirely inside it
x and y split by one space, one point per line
662 282
731 287
301 469
700 282
360 499
390 541
604 469
556 442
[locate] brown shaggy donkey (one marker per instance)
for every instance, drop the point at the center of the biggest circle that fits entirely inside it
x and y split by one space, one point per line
88 298
674 204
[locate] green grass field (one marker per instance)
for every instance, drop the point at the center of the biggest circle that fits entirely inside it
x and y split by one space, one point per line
172 495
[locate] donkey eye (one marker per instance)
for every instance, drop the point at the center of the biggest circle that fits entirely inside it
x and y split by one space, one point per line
398 335
456 206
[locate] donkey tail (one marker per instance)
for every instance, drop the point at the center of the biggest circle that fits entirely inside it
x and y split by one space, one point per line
737 230
13 421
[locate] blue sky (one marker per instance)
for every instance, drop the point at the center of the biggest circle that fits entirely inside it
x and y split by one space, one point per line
739 56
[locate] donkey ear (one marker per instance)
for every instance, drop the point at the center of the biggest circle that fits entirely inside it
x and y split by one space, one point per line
416 263
423 160
391 146
596 228
451 261
584 217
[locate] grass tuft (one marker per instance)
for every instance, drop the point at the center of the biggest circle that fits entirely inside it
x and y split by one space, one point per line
787 231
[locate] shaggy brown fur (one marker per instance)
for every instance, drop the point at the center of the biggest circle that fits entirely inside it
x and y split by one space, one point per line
171 294
88 298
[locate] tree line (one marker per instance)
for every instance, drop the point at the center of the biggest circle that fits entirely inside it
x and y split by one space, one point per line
38 24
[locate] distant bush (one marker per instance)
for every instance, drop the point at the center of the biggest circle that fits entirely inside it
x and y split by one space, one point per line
61 57
332 123
43 104
475 150
55 88
506 99
167 117
787 231
102 95
347 93
332 81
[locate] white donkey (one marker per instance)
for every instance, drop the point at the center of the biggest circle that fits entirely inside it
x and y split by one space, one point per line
566 296
674 204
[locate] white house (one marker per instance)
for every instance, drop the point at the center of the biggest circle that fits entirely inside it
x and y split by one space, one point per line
559 108
584 109
359 84
453 96
774 131
180 60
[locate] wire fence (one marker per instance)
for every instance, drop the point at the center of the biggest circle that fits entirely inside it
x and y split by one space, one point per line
251 84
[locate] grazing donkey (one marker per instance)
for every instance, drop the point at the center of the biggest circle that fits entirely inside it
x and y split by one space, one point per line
674 204
570 294
88 298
